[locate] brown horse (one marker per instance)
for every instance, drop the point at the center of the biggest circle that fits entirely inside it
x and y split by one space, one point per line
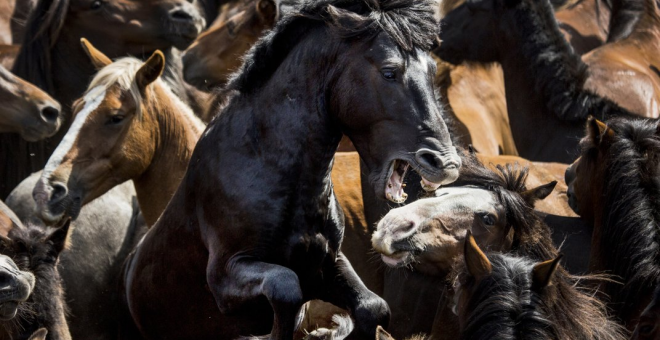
613 187
36 249
544 78
26 110
475 95
270 150
216 53
147 136
498 209
51 58
649 322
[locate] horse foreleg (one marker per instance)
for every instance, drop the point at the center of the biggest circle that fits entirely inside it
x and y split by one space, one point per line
344 289
244 279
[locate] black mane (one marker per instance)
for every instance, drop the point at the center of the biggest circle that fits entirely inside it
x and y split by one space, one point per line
630 236
410 23
576 314
504 306
33 62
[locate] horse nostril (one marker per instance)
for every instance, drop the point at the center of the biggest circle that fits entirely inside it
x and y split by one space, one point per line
181 15
430 159
50 114
6 279
59 192
405 228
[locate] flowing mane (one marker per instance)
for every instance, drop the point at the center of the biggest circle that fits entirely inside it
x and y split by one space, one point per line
410 23
630 234
577 314
33 62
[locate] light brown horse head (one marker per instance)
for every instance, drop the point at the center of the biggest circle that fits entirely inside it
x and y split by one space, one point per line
585 176
429 233
26 109
112 138
216 54
136 26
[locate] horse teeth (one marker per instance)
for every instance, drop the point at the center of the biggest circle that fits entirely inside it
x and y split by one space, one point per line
403 185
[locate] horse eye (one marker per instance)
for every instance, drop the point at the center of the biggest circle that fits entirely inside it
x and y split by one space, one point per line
645 329
114 120
96 5
488 219
389 74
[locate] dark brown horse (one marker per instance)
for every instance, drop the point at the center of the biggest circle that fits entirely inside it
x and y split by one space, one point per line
26 110
648 327
51 58
498 209
37 249
146 136
502 296
613 187
544 79
270 150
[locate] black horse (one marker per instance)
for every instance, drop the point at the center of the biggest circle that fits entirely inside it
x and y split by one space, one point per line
254 229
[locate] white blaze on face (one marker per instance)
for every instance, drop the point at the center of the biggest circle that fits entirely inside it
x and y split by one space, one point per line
92 100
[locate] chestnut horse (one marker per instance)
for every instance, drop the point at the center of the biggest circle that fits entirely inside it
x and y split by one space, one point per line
498 209
649 322
502 296
50 57
544 78
260 268
36 249
26 110
216 53
613 187
147 136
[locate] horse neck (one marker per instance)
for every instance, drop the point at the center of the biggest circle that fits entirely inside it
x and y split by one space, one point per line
544 86
282 132
48 299
176 134
628 234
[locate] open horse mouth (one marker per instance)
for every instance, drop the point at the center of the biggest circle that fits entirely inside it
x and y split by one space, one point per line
397 259
394 187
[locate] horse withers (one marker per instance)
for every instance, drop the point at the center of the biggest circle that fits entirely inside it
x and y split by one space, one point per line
254 229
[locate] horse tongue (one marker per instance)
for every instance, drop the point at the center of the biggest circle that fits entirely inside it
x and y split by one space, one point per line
428 185
394 191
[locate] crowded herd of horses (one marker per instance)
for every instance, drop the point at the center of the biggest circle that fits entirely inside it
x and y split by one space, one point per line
330 169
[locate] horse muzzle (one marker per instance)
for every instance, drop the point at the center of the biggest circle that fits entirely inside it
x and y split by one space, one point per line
55 201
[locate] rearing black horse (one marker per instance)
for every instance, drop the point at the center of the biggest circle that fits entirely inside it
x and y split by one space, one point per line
254 229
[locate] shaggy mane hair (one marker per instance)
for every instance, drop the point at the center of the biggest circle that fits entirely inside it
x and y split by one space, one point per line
410 23
630 235
573 312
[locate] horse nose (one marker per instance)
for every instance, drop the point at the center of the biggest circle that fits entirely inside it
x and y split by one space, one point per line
50 114
181 15
404 230
434 160
59 192
569 175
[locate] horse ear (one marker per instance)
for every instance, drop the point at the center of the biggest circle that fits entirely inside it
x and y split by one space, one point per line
60 237
598 131
476 261
345 18
98 59
536 194
382 334
267 10
39 334
543 272
150 70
